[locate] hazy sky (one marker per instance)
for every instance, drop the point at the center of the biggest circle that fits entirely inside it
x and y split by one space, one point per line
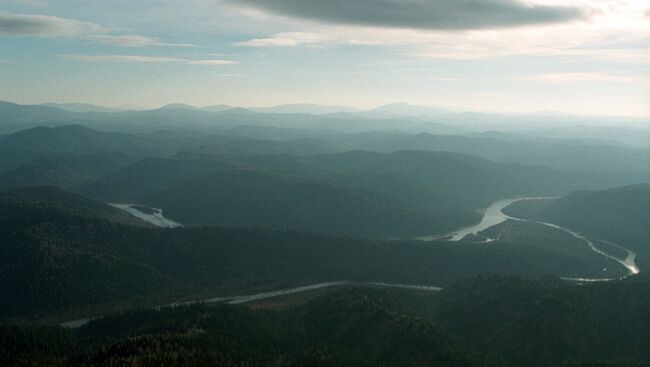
583 56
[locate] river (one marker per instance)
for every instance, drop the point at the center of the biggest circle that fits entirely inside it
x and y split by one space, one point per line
237 300
494 215
156 216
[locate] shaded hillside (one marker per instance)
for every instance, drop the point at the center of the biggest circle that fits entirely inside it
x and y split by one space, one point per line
64 171
49 197
151 175
423 182
78 139
573 155
444 179
247 198
348 328
482 321
547 322
63 258
620 215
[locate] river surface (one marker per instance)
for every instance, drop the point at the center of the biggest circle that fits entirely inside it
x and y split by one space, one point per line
629 262
237 300
494 215
156 216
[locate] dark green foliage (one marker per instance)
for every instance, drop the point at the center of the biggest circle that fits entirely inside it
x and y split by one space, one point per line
36 346
620 215
360 194
151 175
64 171
248 198
545 322
47 196
70 257
348 328
482 321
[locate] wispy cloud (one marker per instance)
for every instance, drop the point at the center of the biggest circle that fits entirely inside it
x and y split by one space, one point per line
120 58
285 39
579 77
210 62
44 26
143 59
133 41
51 26
430 14
3 61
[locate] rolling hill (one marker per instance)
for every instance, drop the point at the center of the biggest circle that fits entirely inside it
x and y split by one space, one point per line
620 215
66 171
66 255
483 321
249 198
438 189
572 155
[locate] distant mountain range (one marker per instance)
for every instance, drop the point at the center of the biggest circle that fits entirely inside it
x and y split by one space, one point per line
80 107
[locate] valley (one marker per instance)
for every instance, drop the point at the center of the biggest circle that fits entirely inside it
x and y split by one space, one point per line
283 222
324 183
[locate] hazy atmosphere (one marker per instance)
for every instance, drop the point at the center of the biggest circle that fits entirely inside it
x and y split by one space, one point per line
325 183
582 57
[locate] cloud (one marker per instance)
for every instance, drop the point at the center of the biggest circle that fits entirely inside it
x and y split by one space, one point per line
578 77
3 61
647 13
211 62
143 59
133 41
119 58
43 26
423 14
285 39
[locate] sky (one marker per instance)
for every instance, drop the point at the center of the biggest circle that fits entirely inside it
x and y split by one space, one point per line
524 56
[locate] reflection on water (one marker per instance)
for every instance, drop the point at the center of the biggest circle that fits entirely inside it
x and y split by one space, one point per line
494 215
152 215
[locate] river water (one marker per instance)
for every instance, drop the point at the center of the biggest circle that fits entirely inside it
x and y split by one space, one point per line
237 300
156 217
494 215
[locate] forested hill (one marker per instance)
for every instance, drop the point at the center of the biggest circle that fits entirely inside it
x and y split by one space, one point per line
32 199
620 215
483 321
253 198
346 329
72 258
359 194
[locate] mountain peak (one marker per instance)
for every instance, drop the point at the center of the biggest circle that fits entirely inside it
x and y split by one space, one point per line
178 106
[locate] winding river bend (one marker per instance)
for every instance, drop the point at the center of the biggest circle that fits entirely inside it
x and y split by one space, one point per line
494 215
